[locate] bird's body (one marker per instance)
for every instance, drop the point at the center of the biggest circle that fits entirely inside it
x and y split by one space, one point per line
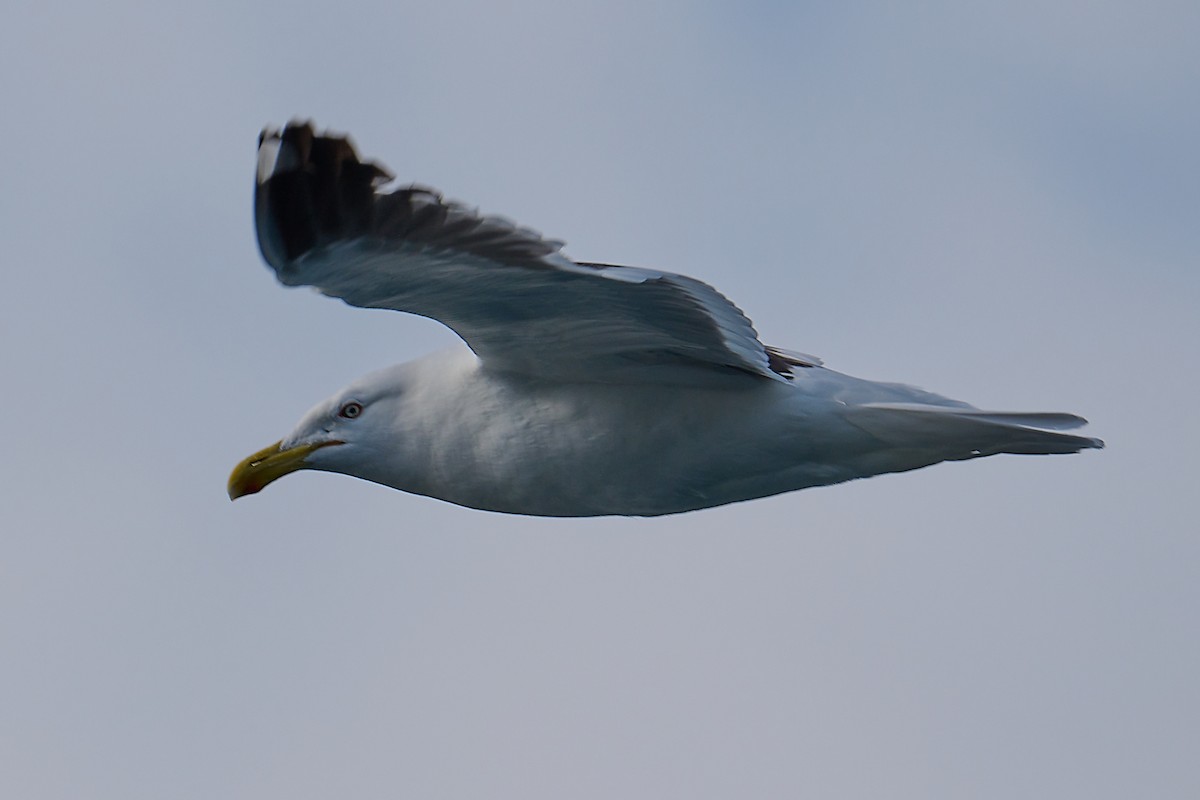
503 442
588 389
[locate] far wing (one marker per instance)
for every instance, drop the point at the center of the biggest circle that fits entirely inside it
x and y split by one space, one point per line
324 221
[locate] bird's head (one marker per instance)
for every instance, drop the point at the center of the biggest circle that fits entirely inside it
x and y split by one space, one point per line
342 434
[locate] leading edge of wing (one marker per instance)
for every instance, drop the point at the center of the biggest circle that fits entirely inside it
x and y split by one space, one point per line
324 218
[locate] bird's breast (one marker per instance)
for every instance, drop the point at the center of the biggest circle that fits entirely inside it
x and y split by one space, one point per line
527 447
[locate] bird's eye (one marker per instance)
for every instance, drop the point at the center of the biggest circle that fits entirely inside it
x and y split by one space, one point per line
350 410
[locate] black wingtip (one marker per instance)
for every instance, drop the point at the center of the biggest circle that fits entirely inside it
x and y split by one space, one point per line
313 190
311 187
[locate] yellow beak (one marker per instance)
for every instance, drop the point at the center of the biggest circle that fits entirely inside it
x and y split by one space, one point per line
267 465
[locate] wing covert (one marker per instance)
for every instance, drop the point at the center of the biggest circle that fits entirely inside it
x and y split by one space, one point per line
325 219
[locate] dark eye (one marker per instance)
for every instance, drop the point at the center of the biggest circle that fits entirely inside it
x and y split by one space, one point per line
350 410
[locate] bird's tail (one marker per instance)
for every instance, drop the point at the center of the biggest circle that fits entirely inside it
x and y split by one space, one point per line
930 433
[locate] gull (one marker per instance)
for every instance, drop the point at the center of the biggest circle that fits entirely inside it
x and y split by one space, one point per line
580 389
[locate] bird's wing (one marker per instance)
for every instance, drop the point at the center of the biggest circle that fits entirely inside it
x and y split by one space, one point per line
324 219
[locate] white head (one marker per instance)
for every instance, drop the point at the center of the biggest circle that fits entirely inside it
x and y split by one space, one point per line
359 431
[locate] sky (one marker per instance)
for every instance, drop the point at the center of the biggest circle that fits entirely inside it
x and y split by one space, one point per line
998 202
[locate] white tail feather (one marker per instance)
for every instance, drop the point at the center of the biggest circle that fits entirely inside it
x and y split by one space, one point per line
1055 421
949 434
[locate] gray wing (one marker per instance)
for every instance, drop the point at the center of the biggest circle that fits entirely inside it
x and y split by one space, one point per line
324 220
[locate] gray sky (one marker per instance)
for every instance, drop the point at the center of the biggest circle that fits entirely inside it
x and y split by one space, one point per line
999 204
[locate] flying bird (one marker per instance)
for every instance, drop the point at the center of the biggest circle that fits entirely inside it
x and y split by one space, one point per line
583 389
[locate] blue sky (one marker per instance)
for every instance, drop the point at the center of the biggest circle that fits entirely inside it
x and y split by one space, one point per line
994 202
